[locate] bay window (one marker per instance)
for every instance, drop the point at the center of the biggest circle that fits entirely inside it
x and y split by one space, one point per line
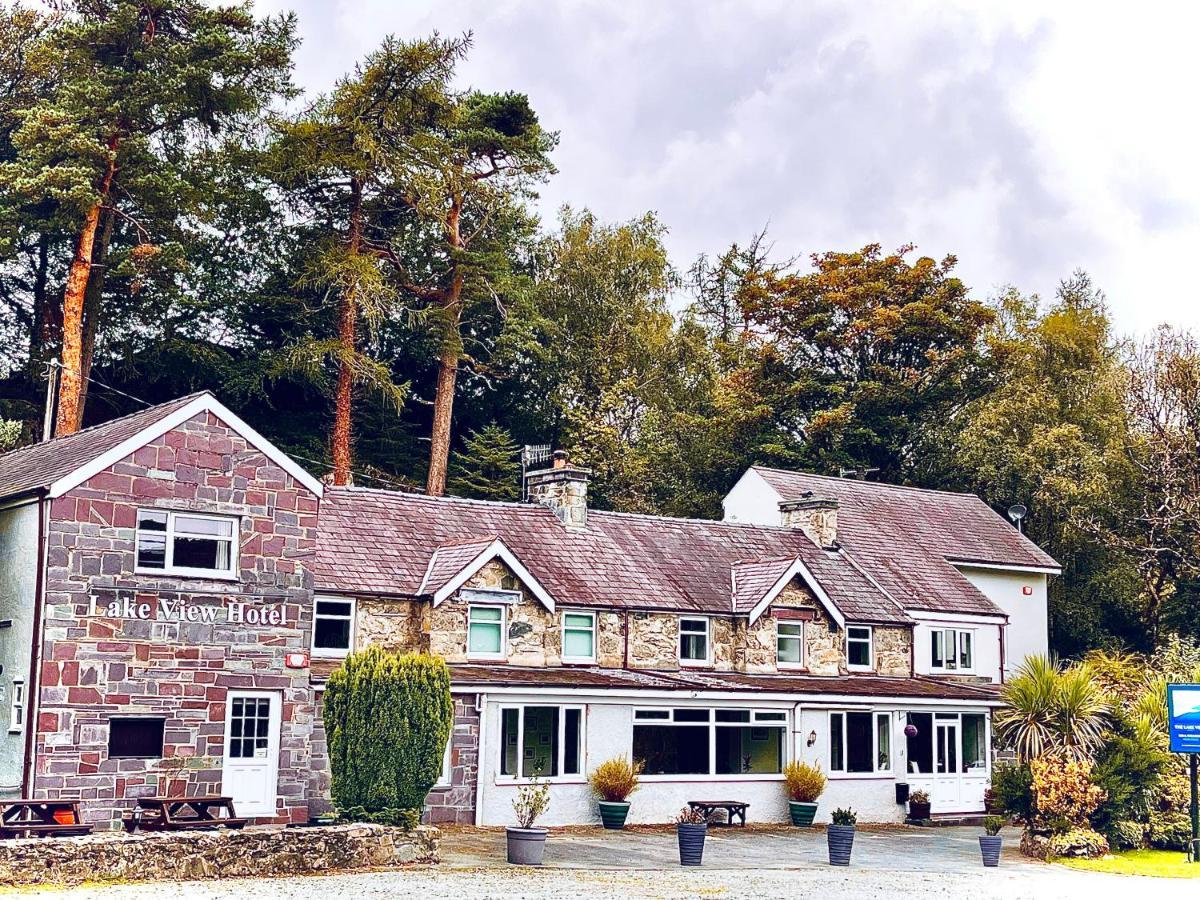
579 637
691 741
859 649
952 649
541 741
180 543
694 643
789 644
485 632
860 742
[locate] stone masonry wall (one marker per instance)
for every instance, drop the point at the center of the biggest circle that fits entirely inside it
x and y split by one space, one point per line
456 803
399 625
96 666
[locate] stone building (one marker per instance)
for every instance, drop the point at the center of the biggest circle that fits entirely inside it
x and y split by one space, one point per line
175 591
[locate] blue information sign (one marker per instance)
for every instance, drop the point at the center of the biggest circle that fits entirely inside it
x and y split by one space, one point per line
1183 717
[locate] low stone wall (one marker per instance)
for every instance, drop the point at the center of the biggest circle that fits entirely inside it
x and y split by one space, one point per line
261 851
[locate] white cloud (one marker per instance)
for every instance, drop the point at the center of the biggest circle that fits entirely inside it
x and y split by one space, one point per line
1028 139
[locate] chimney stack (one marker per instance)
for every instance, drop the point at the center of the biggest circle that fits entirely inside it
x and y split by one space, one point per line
563 488
815 516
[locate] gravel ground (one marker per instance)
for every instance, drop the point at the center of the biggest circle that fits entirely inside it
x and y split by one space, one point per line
509 883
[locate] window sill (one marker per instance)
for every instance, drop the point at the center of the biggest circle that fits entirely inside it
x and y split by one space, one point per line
790 667
861 670
577 662
195 574
475 657
522 782
325 653
861 776
695 664
681 779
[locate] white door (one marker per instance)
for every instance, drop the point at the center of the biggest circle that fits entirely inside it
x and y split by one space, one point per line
250 773
946 769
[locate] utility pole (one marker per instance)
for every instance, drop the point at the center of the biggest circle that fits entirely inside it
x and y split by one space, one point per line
52 370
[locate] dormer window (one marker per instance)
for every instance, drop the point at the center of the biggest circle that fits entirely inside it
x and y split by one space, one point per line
789 645
860 652
485 632
695 648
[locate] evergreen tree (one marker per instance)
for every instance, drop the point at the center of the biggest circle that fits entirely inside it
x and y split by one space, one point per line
487 468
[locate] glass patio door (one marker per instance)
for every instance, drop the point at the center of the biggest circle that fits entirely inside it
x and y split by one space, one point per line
946 764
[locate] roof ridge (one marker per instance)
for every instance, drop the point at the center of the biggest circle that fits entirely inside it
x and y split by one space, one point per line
880 484
63 437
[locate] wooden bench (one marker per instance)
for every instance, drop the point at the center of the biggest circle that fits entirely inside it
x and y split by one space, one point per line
183 813
732 808
41 818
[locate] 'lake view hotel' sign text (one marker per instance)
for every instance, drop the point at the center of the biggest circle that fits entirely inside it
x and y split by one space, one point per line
162 609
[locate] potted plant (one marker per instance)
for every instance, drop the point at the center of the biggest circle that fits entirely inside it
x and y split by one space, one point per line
691 827
840 836
990 842
805 783
527 844
612 782
918 805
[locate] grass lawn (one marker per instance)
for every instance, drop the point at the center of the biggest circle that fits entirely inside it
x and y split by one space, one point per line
1161 863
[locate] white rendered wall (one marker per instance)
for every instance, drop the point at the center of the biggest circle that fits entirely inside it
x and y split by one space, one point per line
1028 629
752 500
986 647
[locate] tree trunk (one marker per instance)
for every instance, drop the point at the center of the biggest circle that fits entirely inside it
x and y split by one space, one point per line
347 326
92 299
447 377
70 391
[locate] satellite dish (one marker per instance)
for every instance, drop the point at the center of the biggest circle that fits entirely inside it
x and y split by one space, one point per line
1017 512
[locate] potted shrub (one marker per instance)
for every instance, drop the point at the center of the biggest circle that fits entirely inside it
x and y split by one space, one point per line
612 782
527 844
840 836
805 783
990 842
918 805
691 828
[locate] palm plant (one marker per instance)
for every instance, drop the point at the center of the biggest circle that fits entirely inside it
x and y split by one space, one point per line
1049 709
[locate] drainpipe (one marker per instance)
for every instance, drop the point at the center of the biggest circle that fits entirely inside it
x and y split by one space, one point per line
1003 629
35 664
625 664
480 758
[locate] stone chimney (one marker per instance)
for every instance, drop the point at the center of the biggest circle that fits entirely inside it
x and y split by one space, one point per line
815 516
563 488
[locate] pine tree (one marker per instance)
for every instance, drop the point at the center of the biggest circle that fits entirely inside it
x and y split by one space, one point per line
487 467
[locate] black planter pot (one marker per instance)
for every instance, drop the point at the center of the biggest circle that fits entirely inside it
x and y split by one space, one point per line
841 842
989 847
918 810
613 813
691 843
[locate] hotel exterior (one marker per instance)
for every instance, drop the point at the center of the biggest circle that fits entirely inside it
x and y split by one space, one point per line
174 591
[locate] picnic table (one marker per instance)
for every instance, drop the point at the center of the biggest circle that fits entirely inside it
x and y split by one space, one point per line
180 813
732 808
41 818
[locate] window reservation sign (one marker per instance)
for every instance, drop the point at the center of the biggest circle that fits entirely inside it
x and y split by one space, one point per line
1183 717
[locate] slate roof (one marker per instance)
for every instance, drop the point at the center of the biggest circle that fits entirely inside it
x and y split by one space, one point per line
754 578
38 466
906 538
874 686
373 541
449 559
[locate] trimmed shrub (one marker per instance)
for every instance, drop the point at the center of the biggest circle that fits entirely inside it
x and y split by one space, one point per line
387 719
615 779
1128 769
1064 796
1079 843
805 782
1011 792
1126 834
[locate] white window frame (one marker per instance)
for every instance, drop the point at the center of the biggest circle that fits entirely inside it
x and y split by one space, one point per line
708 644
870 666
954 636
575 778
503 654
446 776
333 652
16 710
759 718
169 567
803 663
591 614
877 772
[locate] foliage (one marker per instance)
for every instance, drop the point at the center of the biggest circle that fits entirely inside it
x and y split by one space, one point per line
1155 863
1049 709
487 467
804 782
1064 796
918 797
531 801
843 817
689 815
1125 834
407 819
1078 843
1128 769
615 779
10 434
1168 824
387 719
993 824
1011 790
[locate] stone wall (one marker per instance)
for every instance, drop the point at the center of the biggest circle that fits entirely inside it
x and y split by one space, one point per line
398 625
456 803
893 650
251 853
96 664
653 640
755 645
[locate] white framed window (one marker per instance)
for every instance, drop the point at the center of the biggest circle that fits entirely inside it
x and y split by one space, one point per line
952 650
446 778
541 741
485 632
185 543
333 626
860 743
579 637
721 742
789 644
695 645
860 650
16 710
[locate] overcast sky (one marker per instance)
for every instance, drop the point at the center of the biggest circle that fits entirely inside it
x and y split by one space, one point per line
1027 139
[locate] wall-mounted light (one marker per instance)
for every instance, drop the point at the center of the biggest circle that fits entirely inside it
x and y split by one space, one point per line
812 738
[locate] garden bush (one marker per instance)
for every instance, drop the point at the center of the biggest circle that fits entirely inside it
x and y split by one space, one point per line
1169 826
615 779
1079 843
1064 796
804 781
387 719
1011 792
1128 769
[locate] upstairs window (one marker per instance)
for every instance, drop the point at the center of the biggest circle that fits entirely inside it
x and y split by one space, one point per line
952 650
694 644
859 650
789 644
485 632
579 637
333 626
177 543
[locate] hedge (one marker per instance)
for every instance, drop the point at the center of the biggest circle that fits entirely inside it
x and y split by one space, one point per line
387 719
